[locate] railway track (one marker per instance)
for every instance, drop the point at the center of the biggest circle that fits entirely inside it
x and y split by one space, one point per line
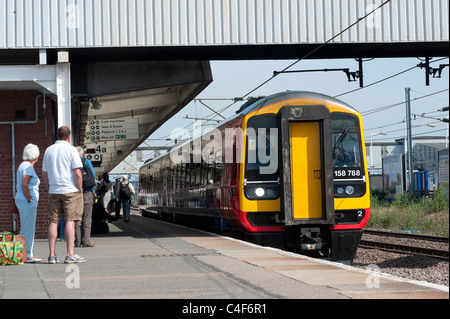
406 243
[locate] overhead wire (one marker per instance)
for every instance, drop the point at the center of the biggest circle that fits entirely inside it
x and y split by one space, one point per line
403 128
310 53
348 92
302 58
376 82
393 124
415 134
382 108
442 100
383 126
385 79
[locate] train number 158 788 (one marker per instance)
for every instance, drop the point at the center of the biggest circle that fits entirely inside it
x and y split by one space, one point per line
347 173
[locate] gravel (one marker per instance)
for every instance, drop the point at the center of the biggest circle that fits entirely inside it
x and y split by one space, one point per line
407 266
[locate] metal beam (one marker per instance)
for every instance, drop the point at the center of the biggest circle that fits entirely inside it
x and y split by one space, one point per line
63 90
31 76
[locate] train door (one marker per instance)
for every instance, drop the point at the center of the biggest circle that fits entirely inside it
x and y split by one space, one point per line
307 167
306 170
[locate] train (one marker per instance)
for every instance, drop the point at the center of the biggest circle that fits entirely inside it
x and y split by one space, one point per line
287 170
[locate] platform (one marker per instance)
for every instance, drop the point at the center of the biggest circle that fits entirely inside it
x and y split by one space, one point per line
147 258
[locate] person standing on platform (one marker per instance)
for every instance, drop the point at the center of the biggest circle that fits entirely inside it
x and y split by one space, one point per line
27 197
104 190
61 171
126 191
83 228
116 189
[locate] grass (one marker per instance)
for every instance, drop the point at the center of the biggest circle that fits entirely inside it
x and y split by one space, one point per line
428 215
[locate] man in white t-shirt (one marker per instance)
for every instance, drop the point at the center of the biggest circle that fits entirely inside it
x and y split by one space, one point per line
61 173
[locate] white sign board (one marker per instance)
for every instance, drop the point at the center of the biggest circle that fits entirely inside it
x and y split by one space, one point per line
114 129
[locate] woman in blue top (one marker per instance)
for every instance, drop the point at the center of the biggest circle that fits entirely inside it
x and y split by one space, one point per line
27 197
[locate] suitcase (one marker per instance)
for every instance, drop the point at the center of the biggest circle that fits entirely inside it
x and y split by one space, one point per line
8 237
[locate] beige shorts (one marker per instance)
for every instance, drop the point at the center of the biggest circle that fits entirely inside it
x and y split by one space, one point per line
68 205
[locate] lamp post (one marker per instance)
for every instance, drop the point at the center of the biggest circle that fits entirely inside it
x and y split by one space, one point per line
371 149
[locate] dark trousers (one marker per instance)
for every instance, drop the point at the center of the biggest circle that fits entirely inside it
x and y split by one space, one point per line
118 205
126 204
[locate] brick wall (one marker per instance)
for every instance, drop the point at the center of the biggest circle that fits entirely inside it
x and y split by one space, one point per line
10 101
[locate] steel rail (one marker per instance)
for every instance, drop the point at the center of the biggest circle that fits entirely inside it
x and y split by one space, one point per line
406 235
435 253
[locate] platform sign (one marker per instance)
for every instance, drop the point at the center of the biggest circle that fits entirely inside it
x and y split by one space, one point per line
114 129
95 154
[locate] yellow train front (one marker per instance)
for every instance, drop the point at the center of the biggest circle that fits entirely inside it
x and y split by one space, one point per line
308 186
289 170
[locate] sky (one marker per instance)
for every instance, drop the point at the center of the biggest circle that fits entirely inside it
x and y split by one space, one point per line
381 104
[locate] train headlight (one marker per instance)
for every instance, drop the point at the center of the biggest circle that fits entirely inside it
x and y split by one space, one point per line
259 192
262 192
344 190
349 190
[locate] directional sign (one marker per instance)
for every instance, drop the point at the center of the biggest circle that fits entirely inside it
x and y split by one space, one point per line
114 129
95 154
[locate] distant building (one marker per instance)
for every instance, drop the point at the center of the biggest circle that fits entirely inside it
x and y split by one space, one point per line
443 170
425 160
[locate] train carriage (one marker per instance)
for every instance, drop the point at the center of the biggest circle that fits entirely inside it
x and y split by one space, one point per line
289 170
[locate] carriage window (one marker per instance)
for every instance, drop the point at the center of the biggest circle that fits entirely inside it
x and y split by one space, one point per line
204 180
346 143
198 174
183 176
218 168
189 173
178 173
211 169
174 177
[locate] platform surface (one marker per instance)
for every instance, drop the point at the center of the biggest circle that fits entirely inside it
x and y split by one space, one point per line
151 259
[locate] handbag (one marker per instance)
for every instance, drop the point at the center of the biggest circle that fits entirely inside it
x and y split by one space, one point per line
11 252
11 237
12 206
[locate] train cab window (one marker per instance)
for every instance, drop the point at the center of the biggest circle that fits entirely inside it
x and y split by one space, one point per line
345 141
262 148
348 171
261 158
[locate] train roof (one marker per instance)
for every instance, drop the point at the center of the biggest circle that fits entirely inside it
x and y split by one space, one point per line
260 102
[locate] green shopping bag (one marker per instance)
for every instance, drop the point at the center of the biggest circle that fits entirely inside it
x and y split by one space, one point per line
11 252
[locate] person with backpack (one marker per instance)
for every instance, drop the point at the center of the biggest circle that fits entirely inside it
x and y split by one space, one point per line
104 191
118 203
83 227
125 193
